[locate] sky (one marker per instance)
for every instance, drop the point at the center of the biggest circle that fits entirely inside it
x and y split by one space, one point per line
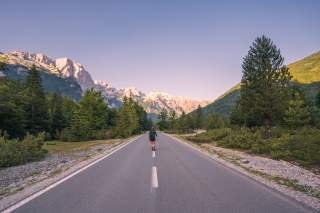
186 48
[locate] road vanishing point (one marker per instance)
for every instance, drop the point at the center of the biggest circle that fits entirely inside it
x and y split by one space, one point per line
175 179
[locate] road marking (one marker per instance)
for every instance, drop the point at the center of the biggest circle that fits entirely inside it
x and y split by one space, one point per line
154 177
153 154
37 194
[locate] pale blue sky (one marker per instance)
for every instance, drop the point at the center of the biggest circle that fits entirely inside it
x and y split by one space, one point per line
188 48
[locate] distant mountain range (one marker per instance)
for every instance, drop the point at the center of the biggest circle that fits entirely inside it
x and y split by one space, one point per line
72 79
306 75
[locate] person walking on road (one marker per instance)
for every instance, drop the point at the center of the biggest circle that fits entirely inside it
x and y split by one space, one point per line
152 138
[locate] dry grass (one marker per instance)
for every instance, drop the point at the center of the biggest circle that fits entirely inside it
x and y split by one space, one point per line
69 147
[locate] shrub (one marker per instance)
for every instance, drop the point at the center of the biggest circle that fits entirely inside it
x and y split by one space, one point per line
242 138
260 147
211 135
102 134
15 152
70 135
214 121
302 146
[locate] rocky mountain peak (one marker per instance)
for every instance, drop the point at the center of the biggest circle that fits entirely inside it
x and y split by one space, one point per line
64 67
69 68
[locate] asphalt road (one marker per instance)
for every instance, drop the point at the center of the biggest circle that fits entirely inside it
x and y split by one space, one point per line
177 179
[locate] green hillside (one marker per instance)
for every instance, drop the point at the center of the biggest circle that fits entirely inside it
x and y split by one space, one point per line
223 104
306 75
306 70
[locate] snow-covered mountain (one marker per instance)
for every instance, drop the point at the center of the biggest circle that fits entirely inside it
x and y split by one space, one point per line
63 67
66 68
152 102
155 101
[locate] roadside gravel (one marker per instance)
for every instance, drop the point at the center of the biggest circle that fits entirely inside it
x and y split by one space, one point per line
287 178
19 182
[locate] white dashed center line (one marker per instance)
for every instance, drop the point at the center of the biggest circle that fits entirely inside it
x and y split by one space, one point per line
153 154
154 177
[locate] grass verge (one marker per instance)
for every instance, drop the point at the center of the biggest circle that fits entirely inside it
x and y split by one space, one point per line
54 147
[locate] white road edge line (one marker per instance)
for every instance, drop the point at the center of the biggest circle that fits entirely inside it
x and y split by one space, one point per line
154 177
153 154
37 194
186 144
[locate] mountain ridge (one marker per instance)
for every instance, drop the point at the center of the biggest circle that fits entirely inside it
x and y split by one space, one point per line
306 75
65 68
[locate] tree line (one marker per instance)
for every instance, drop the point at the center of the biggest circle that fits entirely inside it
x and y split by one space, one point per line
271 117
268 97
29 116
26 108
187 123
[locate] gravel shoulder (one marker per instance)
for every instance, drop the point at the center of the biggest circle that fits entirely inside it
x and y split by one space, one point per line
19 182
294 181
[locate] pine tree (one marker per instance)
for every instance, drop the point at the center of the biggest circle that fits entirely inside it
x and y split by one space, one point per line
264 85
112 117
11 111
163 116
133 117
189 123
57 120
297 114
236 116
142 118
172 119
69 108
35 105
89 117
92 112
214 121
182 123
198 118
127 121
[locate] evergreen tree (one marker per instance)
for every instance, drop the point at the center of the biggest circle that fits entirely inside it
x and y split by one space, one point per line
143 121
198 118
89 118
172 120
163 116
92 113
127 121
189 123
182 123
112 117
236 116
214 121
11 111
35 104
264 84
69 108
297 114
57 120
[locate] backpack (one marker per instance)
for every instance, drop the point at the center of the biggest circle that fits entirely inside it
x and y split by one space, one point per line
152 135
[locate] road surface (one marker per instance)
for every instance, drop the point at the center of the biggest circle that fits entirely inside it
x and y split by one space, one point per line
177 179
